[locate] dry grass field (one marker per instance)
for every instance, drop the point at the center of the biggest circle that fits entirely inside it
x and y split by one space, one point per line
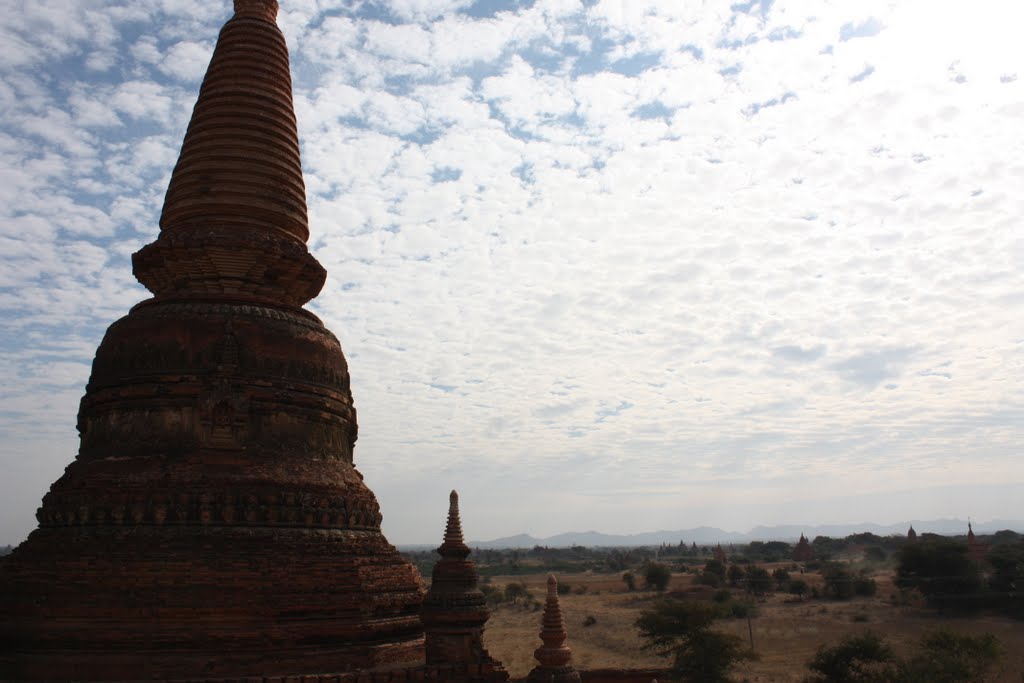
786 634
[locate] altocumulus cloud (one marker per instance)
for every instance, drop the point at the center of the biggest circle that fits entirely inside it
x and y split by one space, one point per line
574 247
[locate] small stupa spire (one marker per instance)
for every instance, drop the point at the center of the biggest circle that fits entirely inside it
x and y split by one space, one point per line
554 656
454 611
453 545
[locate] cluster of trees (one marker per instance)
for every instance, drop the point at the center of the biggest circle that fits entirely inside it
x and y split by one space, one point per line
941 657
682 631
514 593
944 572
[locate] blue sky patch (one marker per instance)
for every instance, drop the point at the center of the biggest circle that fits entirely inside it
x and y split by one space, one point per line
866 29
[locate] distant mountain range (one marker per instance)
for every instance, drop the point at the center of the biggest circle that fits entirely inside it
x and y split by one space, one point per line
710 535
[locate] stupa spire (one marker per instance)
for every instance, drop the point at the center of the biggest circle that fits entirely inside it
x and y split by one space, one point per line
234 222
554 656
453 545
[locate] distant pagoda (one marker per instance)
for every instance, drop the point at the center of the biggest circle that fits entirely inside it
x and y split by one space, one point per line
719 554
213 524
803 552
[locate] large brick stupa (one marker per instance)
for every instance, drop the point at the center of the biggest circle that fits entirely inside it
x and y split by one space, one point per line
213 524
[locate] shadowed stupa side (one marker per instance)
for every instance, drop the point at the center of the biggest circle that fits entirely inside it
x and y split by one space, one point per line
213 523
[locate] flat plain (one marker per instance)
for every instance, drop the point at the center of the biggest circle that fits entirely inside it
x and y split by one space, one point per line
786 631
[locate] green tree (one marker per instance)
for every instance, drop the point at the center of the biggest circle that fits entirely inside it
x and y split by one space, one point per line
781 577
1007 562
797 587
838 581
715 567
941 657
682 631
947 657
875 553
759 581
734 574
630 581
941 569
657 576
492 594
862 658
514 592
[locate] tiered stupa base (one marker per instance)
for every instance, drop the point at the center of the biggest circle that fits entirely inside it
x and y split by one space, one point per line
187 602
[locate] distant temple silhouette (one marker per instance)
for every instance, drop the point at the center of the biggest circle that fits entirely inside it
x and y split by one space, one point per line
803 552
976 550
719 554
213 525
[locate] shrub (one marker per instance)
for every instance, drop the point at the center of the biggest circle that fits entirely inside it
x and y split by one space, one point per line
838 581
864 585
947 657
657 576
759 581
742 610
781 577
715 567
709 579
514 592
797 587
875 554
492 595
863 658
734 574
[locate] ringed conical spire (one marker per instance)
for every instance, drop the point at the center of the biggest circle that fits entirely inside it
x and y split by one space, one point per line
453 545
234 222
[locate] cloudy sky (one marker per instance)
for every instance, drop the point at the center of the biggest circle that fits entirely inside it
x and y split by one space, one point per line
617 265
